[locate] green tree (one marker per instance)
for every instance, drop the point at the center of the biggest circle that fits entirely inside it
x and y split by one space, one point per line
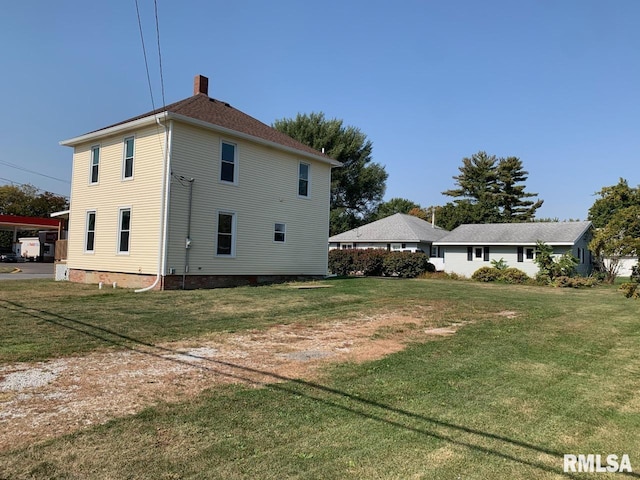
451 215
477 182
510 192
613 199
619 238
489 189
395 205
358 186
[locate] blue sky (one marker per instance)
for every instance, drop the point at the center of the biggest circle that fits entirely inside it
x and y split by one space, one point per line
553 82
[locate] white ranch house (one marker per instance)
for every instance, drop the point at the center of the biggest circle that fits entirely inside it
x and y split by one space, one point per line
469 247
398 232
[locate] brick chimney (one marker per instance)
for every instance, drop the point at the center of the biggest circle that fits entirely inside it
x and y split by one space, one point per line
200 85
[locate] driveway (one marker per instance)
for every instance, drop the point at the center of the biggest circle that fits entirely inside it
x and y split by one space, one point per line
29 270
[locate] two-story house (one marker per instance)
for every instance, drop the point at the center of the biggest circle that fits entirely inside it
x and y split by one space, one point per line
194 195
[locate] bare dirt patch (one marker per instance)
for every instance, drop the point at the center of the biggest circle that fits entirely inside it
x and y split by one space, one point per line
47 399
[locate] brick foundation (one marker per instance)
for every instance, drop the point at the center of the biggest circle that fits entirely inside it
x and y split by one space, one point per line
174 282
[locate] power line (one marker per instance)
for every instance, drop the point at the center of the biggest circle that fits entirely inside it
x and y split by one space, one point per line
2 162
144 52
155 3
13 182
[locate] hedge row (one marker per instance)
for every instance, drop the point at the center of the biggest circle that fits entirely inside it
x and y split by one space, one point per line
376 262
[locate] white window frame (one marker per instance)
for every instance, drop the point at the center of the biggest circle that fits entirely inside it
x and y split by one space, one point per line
86 230
283 232
91 165
121 210
124 158
308 179
234 221
235 164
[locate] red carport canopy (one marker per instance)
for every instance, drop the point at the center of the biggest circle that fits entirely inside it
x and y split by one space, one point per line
9 222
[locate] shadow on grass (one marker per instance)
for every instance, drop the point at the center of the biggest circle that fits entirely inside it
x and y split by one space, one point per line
114 338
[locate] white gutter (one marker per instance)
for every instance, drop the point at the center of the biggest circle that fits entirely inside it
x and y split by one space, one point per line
164 206
500 244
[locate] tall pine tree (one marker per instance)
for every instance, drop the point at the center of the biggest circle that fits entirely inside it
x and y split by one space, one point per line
490 190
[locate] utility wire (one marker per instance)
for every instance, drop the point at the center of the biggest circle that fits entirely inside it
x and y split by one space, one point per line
13 182
144 52
18 167
155 3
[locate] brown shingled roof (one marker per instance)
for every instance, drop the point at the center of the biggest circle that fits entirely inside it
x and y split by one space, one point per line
203 108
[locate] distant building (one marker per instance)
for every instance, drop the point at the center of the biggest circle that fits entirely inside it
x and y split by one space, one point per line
469 247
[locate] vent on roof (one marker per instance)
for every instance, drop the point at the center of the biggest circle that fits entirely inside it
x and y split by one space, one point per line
200 85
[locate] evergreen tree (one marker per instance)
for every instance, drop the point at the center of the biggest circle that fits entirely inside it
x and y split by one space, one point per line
510 192
489 190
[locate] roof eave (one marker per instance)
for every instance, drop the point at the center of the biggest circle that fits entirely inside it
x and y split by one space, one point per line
89 137
246 136
501 244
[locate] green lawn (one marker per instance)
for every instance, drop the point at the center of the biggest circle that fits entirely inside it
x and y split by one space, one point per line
502 398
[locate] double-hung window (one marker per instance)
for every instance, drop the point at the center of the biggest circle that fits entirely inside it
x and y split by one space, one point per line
95 164
90 232
124 230
279 233
304 170
225 246
228 163
127 163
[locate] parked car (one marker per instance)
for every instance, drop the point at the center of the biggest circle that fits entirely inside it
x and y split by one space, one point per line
9 258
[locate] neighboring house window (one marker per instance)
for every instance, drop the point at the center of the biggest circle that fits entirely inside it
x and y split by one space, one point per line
520 254
90 234
127 164
469 254
303 179
279 232
530 253
226 228
478 252
124 230
580 255
95 164
228 163
486 254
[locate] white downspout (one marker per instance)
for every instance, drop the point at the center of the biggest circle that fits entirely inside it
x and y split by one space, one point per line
164 205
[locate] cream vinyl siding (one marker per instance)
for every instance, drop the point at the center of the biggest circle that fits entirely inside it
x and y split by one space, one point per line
140 193
266 193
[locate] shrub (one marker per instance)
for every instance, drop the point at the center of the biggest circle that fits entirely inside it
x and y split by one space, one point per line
369 262
499 264
405 264
574 282
486 274
630 290
635 273
341 261
513 275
